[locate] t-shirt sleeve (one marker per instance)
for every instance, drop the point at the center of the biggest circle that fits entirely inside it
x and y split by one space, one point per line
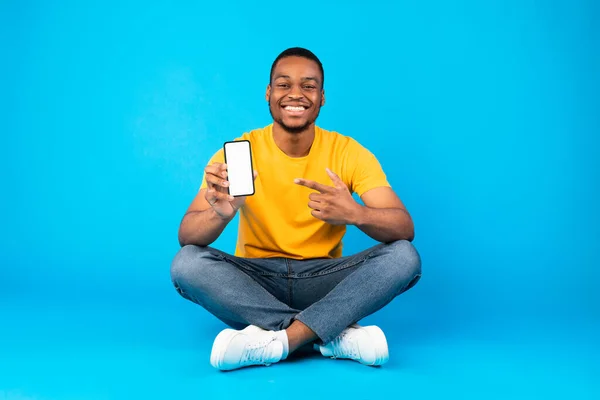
217 157
367 171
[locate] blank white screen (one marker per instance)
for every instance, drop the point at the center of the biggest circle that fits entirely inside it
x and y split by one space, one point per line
239 168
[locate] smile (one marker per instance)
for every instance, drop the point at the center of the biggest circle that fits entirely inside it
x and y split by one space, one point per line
295 110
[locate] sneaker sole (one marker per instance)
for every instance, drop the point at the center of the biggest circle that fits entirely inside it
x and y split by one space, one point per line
377 336
220 346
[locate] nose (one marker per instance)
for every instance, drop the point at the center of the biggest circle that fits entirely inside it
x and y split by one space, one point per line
295 92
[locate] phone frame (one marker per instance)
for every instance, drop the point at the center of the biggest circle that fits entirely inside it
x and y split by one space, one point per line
251 166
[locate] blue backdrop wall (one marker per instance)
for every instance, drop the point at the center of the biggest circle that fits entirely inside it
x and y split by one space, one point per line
484 115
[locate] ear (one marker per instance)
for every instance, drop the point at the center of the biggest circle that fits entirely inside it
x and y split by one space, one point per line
268 94
322 98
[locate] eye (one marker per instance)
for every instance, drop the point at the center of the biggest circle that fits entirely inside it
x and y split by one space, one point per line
283 85
309 87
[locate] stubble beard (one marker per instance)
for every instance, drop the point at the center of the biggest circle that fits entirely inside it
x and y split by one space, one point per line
292 129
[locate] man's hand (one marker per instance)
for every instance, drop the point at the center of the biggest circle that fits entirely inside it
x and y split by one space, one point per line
333 205
217 194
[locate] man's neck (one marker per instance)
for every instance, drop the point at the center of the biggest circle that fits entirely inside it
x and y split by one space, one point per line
294 144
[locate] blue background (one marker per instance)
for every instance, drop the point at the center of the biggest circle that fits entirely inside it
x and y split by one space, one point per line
484 115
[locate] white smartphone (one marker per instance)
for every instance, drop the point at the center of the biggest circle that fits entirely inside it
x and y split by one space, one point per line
238 157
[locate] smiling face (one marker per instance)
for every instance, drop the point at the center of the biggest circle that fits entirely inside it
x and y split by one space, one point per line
295 94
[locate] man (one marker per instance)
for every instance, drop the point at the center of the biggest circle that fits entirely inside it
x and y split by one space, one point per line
287 284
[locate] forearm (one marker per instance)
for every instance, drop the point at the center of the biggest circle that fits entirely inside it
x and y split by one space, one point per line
201 228
385 224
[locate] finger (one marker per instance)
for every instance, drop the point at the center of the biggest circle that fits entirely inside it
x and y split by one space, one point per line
337 181
238 201
216 181
316 197
255 173
226 196
315 205
213 196
216 169
213 172
313 185
316 214
208 171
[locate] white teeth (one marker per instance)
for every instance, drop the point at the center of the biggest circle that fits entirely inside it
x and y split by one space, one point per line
290 108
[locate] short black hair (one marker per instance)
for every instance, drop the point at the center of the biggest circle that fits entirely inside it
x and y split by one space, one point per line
299 52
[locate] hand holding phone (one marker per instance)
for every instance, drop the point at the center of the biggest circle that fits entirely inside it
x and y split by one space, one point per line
219 195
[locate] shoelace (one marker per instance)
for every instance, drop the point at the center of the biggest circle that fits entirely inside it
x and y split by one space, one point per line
255 352
345 346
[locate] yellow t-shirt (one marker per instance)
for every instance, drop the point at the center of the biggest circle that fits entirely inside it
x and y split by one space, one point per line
276 221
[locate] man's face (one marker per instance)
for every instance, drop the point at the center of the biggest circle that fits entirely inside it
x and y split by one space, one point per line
295 94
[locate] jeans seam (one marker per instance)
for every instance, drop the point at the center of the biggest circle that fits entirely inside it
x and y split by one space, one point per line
339 267
289 280
250 270
299 276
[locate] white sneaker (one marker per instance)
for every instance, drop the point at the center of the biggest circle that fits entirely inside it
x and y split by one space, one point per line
364 344
251 346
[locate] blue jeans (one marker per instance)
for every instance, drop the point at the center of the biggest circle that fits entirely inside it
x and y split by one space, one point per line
327 295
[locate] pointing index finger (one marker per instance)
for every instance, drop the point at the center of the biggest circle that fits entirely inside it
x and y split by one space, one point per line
313 185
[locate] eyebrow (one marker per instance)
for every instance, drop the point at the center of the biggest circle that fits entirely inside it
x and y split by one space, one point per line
310 78
304 79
